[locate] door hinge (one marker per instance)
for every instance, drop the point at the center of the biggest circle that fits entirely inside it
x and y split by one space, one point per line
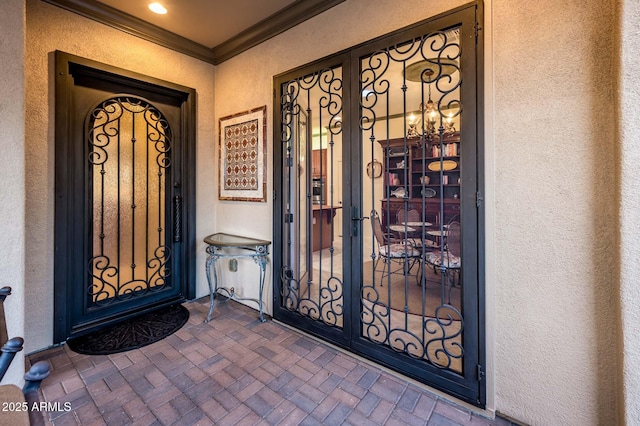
480 370
288 217
479 199
477 29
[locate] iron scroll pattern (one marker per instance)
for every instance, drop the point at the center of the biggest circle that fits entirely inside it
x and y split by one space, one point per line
437 339
319 298
110 129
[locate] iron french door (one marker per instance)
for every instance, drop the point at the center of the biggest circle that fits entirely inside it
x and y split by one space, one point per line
378 213
124 224
314 199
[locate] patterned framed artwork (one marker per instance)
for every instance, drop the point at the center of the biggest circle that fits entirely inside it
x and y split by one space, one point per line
243 156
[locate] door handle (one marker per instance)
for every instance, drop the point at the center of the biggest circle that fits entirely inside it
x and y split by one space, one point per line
356 218
177 219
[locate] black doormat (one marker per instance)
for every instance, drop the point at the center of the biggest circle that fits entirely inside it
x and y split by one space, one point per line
133 333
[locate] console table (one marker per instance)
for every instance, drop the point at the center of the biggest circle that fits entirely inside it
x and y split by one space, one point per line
259 250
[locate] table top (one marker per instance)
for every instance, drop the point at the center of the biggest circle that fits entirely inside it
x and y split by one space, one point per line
316 207
221 239
401 228
417 224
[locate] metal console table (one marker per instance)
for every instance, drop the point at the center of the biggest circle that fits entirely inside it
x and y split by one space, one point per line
260 249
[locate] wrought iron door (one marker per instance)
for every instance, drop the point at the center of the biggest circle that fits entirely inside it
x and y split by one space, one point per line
405 289
121 218
129 157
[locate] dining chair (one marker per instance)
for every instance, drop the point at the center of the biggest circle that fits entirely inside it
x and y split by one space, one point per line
393 250
405 216
448 261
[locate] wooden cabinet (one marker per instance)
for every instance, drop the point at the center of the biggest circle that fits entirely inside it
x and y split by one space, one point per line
410 169
323 216
319 163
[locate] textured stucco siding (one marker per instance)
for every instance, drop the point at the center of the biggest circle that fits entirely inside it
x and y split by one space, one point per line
555 207
12 171
629 186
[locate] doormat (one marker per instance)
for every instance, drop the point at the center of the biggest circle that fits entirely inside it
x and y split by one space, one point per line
133 333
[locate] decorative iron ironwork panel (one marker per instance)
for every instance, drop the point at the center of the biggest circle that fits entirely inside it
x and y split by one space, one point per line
129 156
411 298
311 135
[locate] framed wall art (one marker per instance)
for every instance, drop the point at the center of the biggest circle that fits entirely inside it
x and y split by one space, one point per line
243 156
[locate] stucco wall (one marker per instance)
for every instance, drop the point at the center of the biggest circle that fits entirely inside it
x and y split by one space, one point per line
50 28
555 211
12 118
551 162
629 186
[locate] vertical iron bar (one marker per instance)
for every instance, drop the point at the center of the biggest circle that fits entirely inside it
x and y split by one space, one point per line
161 225
423 199
133 196
146 225
118 247
405 201
309 218
388 231
322 187
102 173
442 245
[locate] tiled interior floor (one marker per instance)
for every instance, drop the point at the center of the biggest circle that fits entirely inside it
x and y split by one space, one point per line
236 370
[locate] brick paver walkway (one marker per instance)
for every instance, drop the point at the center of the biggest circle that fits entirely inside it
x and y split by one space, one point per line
236 370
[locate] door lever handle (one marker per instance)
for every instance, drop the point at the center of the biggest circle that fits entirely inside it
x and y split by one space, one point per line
356 218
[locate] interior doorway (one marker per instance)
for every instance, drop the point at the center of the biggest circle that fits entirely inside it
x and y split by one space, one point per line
400 282
124 216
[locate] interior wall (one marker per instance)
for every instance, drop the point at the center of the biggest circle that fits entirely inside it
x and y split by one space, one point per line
555 206
50 28
12 174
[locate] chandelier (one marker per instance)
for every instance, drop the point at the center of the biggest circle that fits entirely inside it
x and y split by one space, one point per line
425 123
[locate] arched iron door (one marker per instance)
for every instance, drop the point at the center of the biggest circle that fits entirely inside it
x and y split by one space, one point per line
379 213
123 218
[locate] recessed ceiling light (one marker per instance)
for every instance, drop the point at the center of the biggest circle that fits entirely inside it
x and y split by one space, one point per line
158 8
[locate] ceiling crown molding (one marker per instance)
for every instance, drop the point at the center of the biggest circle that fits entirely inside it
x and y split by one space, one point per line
107 15
275 24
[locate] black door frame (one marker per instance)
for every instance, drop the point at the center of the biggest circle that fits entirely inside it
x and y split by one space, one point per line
337 336
68 217
471 387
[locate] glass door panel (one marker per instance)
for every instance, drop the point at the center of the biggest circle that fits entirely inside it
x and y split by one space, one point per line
128 160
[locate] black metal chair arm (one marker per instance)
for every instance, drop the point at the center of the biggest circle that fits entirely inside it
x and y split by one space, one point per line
36 374
9 351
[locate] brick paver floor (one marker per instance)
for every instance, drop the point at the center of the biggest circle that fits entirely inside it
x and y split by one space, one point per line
237 370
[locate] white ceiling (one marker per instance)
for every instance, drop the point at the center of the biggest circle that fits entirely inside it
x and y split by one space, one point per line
208 22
